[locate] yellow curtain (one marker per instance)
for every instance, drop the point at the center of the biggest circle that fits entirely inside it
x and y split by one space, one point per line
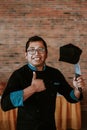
67 115
8 119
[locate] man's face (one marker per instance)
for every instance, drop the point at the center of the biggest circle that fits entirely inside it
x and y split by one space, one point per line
36 54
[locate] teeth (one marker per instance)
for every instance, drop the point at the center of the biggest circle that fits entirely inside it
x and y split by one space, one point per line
37 58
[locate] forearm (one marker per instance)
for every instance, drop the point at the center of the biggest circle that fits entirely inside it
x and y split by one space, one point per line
16 98
27 92
78 86
77 93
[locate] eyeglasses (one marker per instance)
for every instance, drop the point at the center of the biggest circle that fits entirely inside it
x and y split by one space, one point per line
32 51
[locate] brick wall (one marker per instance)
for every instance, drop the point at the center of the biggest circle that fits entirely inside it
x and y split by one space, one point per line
59 22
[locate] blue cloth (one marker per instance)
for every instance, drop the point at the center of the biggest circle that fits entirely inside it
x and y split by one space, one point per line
34 68
73 95
17 98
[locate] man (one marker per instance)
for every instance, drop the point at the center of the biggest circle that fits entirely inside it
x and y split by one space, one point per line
33 88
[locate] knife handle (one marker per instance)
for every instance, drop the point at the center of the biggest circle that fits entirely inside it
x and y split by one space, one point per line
79 88
77 75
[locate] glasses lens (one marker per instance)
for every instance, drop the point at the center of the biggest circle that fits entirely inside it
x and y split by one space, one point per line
33 51
41 50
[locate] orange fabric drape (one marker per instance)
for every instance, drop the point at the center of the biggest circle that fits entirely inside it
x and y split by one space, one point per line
67 115
8 119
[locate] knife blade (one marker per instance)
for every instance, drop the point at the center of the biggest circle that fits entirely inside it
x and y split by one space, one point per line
77 70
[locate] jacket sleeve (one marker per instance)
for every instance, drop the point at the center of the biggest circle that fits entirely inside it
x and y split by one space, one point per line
11 92
66 90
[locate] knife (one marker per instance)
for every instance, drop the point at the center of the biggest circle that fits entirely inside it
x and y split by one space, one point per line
77 70
77 74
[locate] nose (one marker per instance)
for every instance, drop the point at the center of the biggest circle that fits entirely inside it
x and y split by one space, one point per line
36 52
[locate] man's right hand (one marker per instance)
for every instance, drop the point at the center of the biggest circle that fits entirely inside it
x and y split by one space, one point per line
37 84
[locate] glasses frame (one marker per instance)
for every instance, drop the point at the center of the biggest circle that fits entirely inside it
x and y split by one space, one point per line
33 51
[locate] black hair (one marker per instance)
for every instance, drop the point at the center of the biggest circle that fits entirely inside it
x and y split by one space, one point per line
33 39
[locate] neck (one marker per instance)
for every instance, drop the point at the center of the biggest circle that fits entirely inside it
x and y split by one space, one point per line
40 68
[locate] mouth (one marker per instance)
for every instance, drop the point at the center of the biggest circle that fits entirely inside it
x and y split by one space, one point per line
37 58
